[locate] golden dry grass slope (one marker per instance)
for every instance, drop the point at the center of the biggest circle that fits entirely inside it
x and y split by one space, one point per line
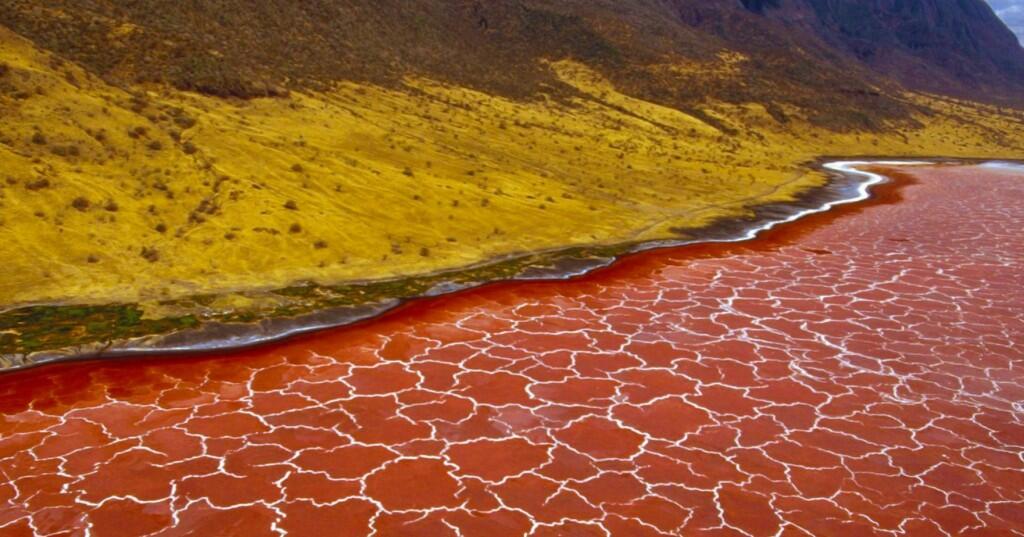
144 193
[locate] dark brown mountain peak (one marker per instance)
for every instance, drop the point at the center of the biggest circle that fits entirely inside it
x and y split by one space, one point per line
947 46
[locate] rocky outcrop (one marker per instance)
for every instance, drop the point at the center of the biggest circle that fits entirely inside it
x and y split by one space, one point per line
946 46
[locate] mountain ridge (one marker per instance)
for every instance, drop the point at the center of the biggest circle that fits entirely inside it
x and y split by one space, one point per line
798 49
937 45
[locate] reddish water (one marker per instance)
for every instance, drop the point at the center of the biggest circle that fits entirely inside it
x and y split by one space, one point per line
858 374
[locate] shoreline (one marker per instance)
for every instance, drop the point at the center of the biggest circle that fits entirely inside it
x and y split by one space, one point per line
847 185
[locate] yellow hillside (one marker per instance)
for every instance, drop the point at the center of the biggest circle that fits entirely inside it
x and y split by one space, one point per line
110 195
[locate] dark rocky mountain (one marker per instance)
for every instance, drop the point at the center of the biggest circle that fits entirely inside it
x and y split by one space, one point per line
938 45
839 57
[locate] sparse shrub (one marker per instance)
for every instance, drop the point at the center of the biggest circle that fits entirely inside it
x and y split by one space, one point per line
207 206
155 145
184 121
65 150
295 228
424 252
407 172
110 206
92 259
139 103
150 254
297 168
189 148
4 69
161 228
38 184
137 132
80 203
320 244
39 139
291 205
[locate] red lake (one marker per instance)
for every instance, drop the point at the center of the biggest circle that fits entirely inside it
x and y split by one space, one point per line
858 372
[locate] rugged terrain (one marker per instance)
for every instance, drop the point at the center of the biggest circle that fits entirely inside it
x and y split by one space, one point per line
224 149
